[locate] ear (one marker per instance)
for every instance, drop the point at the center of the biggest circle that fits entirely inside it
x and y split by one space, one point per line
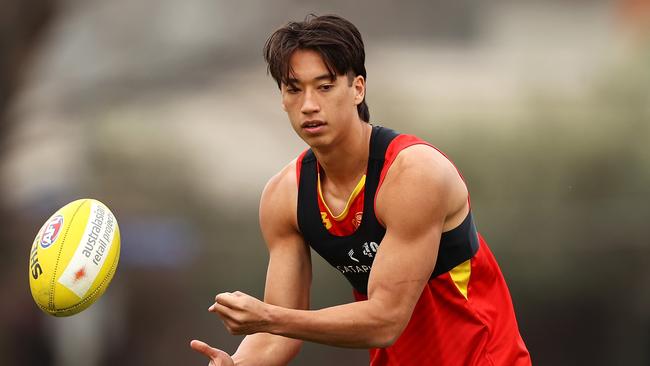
359 85
284 107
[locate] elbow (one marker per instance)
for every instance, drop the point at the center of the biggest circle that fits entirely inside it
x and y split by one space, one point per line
292 347
387 333
387 321
383 341
296 349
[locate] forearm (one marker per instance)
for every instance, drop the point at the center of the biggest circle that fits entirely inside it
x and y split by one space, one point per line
363 324
266 349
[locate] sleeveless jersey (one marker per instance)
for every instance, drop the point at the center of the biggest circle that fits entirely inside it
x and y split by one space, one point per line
464 315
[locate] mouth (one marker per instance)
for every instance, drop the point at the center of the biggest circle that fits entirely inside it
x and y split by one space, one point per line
312 124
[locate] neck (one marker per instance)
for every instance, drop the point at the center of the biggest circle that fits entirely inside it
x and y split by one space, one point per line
346 161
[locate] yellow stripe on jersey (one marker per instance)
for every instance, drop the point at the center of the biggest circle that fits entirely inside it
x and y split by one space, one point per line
460 276
353 195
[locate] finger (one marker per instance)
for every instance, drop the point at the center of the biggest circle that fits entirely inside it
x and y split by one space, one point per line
205 349
226 299
216 307
222 311
221 294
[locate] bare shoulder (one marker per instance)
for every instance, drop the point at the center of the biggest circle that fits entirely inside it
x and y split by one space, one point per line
279 200
425 174
282 183
425 159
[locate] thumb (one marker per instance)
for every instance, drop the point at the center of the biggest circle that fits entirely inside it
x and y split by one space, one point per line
208 351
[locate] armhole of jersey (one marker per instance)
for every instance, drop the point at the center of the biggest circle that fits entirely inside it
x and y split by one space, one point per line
299 166
396 146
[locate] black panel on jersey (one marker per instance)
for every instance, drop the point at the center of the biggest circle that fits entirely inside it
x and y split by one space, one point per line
353 255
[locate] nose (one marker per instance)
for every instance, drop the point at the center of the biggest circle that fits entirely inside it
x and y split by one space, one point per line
309 104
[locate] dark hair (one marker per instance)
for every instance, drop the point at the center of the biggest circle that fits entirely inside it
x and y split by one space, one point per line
337 41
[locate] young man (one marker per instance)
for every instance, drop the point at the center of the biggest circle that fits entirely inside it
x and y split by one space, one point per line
365 197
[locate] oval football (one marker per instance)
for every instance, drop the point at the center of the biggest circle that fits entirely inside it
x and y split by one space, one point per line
74 257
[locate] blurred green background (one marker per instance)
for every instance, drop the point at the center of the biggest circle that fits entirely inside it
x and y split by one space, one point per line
163 110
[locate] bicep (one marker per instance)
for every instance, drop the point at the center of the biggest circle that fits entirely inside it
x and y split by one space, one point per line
289 270
413 205
401 269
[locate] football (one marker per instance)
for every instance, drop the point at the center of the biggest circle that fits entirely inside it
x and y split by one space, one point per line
74 257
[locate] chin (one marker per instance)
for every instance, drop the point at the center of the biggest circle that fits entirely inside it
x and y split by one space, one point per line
317 142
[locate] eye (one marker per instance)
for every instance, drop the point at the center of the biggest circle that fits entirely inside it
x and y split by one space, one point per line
292 90
326 87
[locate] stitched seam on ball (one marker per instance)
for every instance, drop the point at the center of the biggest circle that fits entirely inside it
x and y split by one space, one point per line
90 297
58 256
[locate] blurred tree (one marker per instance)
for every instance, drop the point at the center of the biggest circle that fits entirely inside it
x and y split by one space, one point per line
22 25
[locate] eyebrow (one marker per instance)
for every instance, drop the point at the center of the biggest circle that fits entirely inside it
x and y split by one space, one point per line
317 78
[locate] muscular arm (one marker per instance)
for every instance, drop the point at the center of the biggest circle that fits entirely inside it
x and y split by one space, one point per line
421 195
421 191
289 271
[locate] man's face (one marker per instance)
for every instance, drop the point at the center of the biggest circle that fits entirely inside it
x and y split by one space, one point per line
321 109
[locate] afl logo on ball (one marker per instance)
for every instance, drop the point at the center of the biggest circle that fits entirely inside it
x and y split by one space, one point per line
51 231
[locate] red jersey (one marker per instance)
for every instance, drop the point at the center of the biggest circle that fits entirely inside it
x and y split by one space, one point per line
463 317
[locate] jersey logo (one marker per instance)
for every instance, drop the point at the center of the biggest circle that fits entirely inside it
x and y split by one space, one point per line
370 249
356 220
351 253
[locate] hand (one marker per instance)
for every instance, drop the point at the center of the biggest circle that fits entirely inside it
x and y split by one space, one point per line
217 357
241 313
